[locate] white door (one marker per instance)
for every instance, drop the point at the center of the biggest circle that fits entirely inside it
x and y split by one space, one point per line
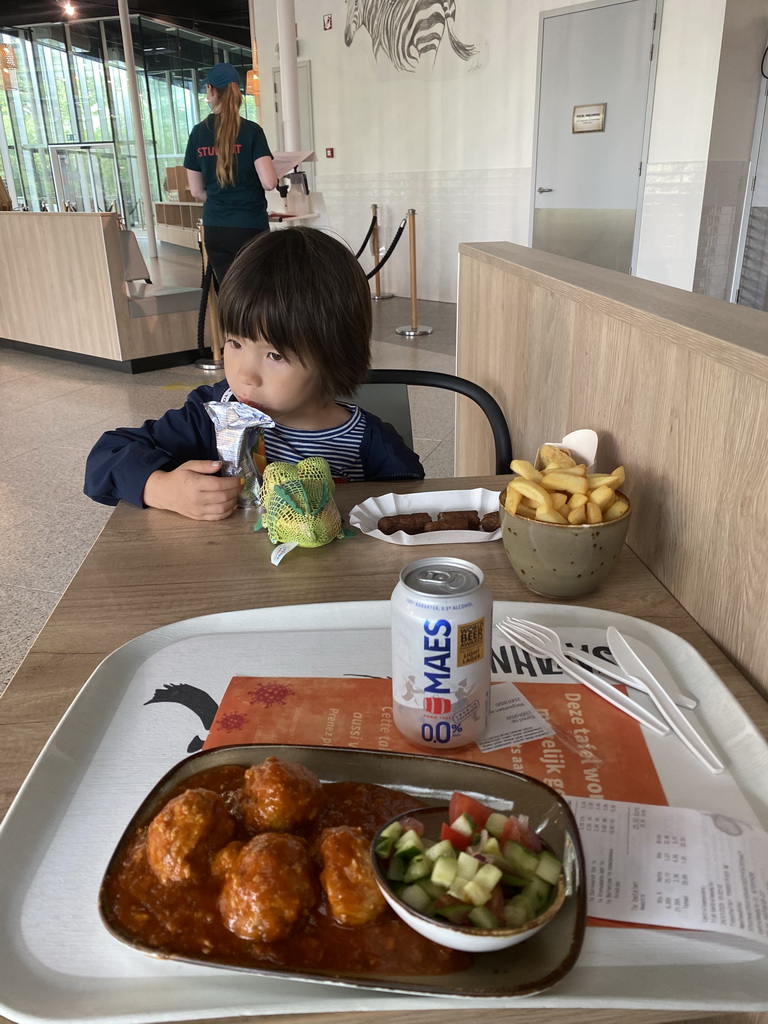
752 267
594 85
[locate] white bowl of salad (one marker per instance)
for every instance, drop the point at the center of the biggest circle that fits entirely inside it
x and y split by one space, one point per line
467 876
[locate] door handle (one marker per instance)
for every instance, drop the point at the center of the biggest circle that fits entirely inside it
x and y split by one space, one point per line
545 189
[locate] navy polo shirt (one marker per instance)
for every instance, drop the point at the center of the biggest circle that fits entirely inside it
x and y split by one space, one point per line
244 204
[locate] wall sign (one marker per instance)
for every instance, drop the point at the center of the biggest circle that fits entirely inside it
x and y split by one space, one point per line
589 118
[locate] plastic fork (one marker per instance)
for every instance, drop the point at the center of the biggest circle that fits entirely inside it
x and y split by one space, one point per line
615 676
540 640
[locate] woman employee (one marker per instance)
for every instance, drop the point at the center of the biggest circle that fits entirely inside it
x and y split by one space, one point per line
229 165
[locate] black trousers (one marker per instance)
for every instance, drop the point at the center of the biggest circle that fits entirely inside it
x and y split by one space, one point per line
223 244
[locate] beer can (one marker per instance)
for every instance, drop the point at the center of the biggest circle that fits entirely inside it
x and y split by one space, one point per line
441 652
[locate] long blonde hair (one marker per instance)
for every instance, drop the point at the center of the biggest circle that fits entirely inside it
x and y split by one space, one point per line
229 101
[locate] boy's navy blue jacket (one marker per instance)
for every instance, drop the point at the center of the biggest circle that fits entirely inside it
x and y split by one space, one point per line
122 460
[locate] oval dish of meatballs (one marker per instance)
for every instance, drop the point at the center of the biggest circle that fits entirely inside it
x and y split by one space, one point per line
264 866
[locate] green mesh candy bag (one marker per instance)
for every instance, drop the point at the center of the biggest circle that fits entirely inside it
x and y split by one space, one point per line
299 509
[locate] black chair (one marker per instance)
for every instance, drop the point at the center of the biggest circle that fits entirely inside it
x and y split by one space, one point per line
386 395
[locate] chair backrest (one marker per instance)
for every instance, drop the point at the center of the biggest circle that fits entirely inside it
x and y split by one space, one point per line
386 395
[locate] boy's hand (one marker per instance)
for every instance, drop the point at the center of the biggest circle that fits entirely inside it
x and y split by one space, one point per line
193 491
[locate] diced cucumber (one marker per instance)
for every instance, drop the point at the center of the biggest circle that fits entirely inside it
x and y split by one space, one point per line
481 917
465 825
456 913
429 887
441 849
514 881
488 876
396 870
457 886
523 861
517 911
387 839
415 897
417 867
467 865
476 893
409 845
496 824
538 893
549 867
491 847
444 871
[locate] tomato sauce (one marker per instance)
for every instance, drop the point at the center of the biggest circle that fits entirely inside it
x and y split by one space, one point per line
184 921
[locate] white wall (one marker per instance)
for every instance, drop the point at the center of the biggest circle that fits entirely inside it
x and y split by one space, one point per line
456 144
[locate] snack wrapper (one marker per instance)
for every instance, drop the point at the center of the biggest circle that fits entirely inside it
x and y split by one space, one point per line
239 431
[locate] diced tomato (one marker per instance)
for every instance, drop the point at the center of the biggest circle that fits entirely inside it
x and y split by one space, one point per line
456 839
528 837
519 831
463 804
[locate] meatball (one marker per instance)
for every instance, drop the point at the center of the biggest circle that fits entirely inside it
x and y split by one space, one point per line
183 837
269 889
347 877
279 795
223 862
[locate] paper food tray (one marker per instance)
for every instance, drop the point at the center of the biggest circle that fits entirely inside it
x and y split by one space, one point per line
366 515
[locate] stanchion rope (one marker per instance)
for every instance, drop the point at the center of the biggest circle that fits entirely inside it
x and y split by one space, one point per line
390 250
374 222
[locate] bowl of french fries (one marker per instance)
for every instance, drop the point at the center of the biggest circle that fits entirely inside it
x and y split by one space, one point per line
562 527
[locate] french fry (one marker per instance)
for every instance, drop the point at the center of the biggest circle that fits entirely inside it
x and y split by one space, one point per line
559 500
577 500
526 512
593 513
524 469
603 496
615 479
549 515
557 481
550 454
534 491
573 470
512 499
578 516
617 509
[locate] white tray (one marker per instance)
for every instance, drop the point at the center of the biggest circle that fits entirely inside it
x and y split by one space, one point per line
366 516
121 735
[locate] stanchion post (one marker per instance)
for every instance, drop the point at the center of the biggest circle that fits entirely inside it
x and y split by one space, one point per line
414 329
215 362
377 293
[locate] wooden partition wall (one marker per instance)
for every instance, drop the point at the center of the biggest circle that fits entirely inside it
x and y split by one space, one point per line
62 286
676 385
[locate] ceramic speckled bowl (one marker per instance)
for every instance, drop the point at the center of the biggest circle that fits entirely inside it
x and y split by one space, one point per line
562 561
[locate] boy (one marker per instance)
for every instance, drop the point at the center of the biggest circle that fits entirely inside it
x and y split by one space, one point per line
295 313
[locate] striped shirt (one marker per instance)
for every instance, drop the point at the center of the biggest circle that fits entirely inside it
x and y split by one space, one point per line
339 446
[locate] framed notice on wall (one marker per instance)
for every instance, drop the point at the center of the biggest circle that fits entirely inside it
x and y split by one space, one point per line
589 117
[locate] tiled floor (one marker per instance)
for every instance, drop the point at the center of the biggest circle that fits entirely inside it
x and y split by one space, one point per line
52 411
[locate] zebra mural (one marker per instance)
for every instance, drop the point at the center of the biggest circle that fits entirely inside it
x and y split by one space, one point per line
405 30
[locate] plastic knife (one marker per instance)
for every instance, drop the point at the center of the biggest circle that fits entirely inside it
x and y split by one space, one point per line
629 662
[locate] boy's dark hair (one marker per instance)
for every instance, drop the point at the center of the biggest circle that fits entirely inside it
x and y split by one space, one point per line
305 293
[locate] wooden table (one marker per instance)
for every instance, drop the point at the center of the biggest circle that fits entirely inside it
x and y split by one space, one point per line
150 568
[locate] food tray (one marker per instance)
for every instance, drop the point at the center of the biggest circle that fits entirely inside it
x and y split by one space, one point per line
533 966
146 706
366 515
